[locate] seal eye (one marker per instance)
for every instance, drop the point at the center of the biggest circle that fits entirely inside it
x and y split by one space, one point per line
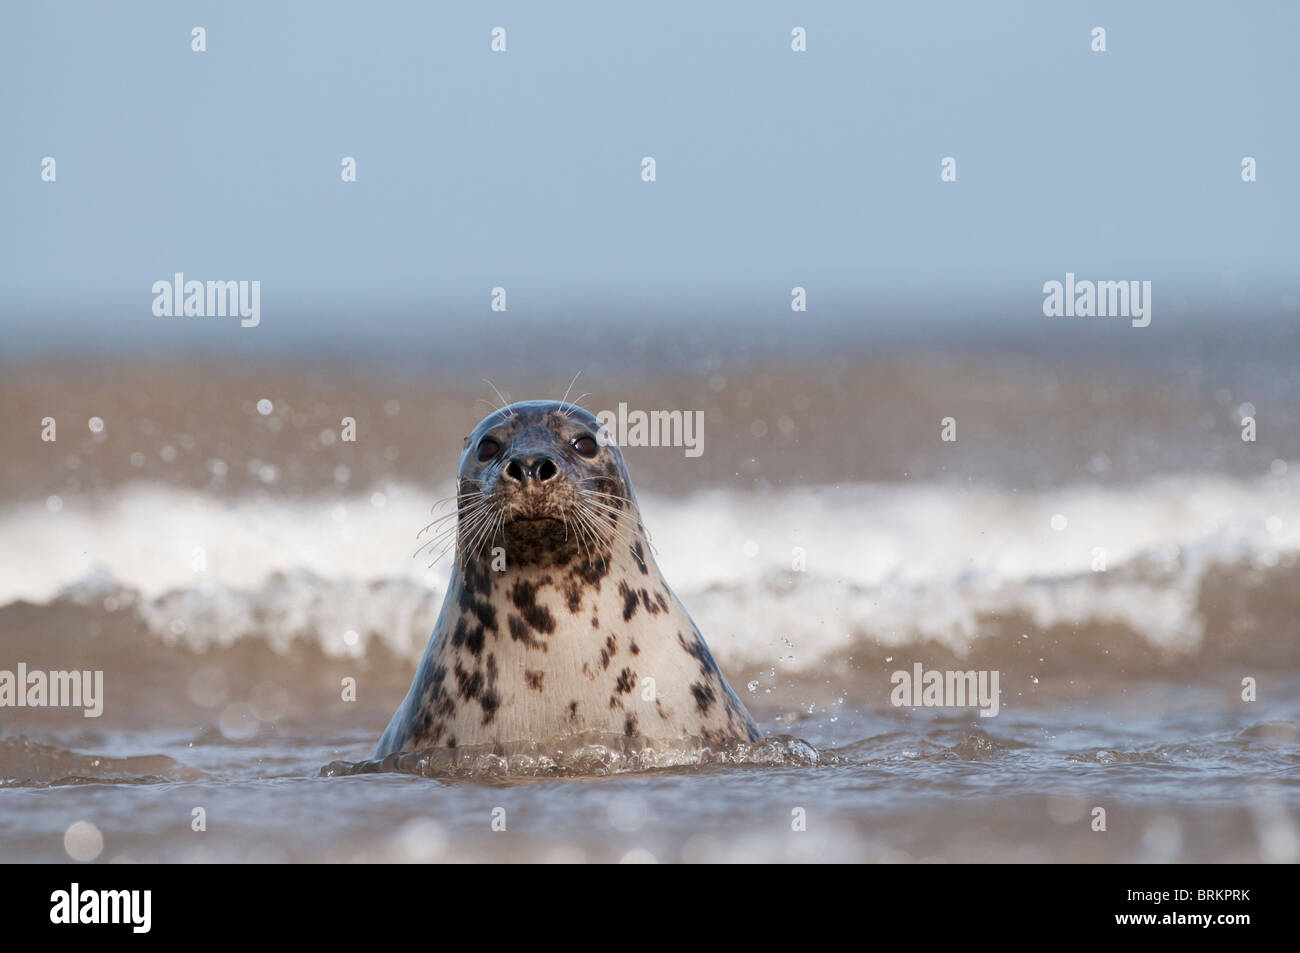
487 449
586 445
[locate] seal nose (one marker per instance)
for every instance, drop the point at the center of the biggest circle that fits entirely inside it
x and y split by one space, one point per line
538 469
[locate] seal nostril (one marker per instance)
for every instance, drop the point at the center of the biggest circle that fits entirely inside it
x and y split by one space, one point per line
515 471
545 469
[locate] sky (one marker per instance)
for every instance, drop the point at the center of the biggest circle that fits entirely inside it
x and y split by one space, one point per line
523 169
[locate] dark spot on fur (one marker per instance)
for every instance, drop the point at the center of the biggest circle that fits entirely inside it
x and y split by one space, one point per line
426 724
653 607
476 577
475 641
640 558
472 639
469 684
629 726
520 632
704 696
593 569
635 649
534 679
491 701
573 710
422 722
608 652
629 601
700 652
443 704
626 681
486 613
573 597
538 617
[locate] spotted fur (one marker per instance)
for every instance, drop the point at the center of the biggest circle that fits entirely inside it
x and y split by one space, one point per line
580 632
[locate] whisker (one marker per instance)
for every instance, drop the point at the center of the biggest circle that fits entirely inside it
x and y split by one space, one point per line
605 507
567 391
463 512
481 533
445 500
581 532
595 542
588 539
613 506
484 541
452 541
630 509
611 530
591 530
451 533
595 492
500 527
469 518
504 403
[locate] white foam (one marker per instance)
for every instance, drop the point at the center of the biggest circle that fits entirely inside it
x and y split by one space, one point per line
892 563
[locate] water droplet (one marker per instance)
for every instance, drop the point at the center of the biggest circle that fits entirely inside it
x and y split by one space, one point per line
83 841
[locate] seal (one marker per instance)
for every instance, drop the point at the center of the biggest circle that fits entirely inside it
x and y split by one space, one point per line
557 620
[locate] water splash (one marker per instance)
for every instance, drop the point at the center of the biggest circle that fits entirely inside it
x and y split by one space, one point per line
592 754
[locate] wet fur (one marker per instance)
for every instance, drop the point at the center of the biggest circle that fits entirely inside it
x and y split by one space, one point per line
580 633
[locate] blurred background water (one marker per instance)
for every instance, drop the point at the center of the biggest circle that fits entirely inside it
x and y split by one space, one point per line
200 532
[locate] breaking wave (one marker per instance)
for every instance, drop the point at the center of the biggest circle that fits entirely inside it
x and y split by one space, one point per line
785 580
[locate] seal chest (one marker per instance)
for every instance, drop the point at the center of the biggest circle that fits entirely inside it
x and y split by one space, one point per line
557 620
